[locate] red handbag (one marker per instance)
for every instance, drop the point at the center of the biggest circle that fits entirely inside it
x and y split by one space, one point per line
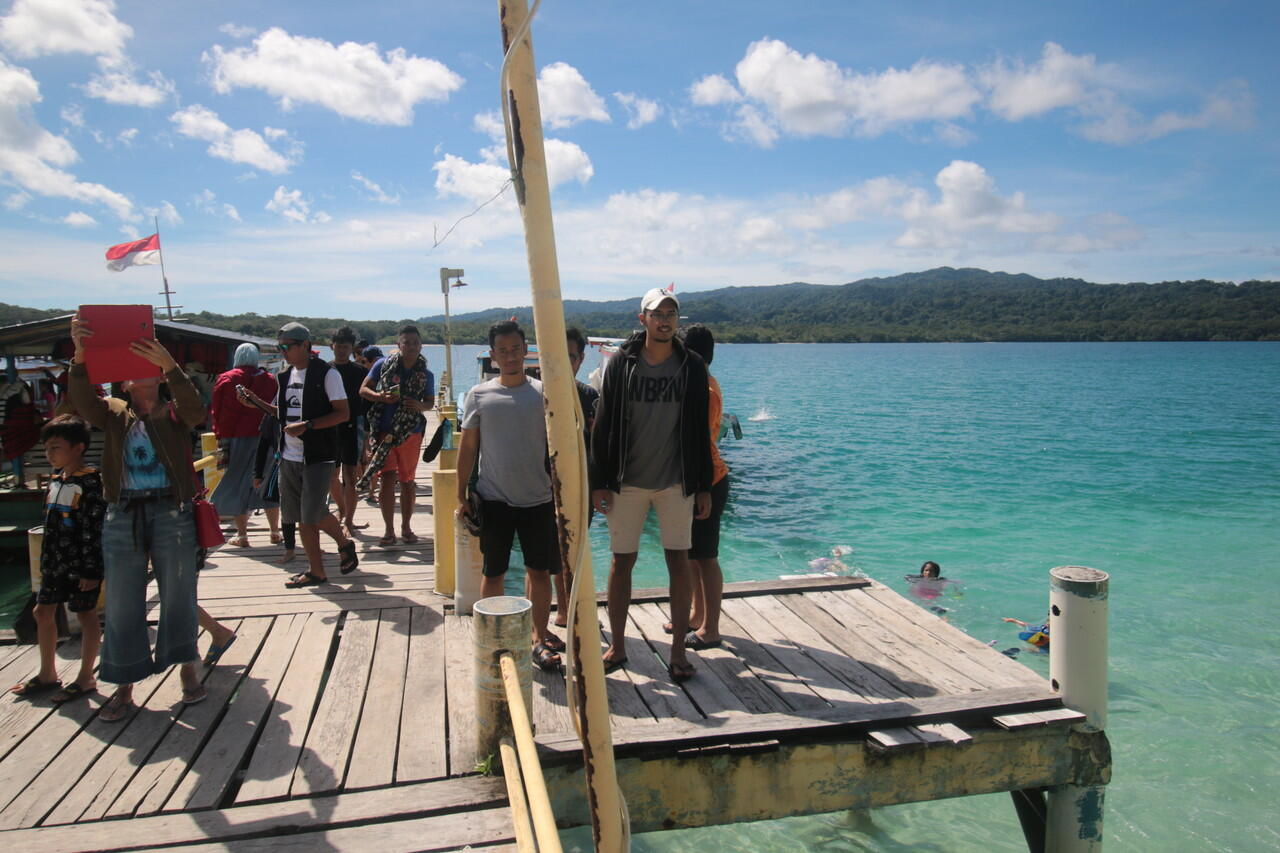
208 526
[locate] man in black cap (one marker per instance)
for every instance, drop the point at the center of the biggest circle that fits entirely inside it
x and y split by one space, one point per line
311 403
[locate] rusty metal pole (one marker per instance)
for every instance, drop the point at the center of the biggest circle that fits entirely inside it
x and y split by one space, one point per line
529 177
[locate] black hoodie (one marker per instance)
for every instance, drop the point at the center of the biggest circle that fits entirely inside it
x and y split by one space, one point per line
609 436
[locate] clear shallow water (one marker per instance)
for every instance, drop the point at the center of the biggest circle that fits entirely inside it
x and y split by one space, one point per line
1159 463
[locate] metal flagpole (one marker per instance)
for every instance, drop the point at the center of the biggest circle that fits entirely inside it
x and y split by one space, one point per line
564 424
166 292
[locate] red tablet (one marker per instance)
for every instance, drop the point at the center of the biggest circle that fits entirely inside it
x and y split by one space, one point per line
107 355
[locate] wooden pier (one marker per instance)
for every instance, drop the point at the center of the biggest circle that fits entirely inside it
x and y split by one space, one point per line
342 719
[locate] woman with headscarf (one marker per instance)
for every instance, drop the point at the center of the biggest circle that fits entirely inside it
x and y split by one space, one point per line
236 425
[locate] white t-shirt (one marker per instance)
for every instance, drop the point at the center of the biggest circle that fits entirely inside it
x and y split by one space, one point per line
295 382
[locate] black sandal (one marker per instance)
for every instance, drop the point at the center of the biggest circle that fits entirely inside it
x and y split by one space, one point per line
545 659
554 643
304 579
33 686
681 672
349 559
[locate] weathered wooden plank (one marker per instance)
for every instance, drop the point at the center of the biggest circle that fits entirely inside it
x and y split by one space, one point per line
323 762
459 656
747 645
423 748
712 697
626 707
1004 671
825 667
944 732
267 819
1061 716
893 739
211 774
307 604
550 711
729 668
891 643
19 716
739 589
1015 722
676 735
152 784
373 756
19 656
270 770
664 698
894 677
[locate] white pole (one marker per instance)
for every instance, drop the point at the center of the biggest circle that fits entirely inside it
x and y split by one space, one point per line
1078 670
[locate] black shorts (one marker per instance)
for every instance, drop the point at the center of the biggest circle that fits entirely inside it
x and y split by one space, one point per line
348 446
63 588
536 527
705 536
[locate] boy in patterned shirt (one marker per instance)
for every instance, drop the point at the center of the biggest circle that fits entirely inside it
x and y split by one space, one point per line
70 559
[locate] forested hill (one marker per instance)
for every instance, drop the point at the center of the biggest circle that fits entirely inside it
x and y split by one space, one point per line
947 304
943 304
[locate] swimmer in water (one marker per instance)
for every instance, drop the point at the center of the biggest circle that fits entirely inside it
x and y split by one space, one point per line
929 584
1035 635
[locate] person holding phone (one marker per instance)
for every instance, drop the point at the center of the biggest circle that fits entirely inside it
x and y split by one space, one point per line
148 485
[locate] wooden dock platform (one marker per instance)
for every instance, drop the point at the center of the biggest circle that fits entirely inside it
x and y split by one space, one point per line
342 719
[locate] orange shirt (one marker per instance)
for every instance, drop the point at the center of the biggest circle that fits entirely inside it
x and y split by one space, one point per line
715 408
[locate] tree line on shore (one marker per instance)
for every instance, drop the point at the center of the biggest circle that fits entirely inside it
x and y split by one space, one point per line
937 305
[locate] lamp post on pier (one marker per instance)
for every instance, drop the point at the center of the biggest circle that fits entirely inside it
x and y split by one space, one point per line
446 381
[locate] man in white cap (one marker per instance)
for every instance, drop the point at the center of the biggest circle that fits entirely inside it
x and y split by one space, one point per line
651 447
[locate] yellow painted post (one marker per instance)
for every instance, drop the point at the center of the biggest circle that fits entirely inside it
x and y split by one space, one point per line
212 474
444 501
448 457
564 432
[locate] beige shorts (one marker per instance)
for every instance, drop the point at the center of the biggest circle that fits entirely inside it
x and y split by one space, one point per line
631 507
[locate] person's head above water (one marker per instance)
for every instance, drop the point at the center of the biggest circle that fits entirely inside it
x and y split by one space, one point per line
930 570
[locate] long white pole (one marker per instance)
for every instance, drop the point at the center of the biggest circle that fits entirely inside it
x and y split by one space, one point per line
564 432
168 304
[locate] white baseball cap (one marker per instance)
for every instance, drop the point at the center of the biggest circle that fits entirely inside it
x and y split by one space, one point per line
656 297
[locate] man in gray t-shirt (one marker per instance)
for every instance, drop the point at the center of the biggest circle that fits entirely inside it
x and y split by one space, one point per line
653 424
504 432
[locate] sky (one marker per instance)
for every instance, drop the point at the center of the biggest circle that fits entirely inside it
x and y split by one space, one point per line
325 159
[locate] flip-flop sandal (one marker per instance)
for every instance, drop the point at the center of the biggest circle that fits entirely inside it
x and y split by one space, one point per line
350 562
681 672
667 629
304 579
387 540
408 538
545 659
194 695
614 665
697 643
33 686
554 643
215 651
116 709
72 691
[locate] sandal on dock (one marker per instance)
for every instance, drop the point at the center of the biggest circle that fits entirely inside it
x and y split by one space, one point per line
389 539
33 686
116 708
215 651
681 672
693 641
194 695
614 665
553 642
72 691
302 579
668 629
545 659
349 559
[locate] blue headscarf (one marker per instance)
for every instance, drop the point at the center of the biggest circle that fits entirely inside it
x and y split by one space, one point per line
246 356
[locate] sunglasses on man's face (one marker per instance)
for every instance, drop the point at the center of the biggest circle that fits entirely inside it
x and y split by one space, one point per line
287 344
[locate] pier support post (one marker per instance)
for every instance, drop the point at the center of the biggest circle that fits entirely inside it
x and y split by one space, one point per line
503 623
1078 670
444 500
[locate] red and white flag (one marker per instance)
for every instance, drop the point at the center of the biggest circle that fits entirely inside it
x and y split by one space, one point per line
137 253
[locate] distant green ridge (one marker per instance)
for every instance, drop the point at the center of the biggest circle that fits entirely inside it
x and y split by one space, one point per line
943 304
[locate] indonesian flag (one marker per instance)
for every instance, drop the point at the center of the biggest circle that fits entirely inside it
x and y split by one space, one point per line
137 253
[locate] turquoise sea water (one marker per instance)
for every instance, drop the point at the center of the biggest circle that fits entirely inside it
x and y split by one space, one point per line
1158 463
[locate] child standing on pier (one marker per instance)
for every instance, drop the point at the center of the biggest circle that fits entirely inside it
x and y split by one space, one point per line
70 558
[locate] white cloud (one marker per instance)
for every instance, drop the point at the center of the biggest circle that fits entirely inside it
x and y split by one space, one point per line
72 114
292 206
236 146
207 201
353 80
750 124
476 182
41 27
712 90
236 31
1059 79
79 219
567 162
359 226
274 133
874 199
33 158
374 191
567 98
117 83
166 212
968 202
1230 108
126 136
806 95
640 111
490 124
16 201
